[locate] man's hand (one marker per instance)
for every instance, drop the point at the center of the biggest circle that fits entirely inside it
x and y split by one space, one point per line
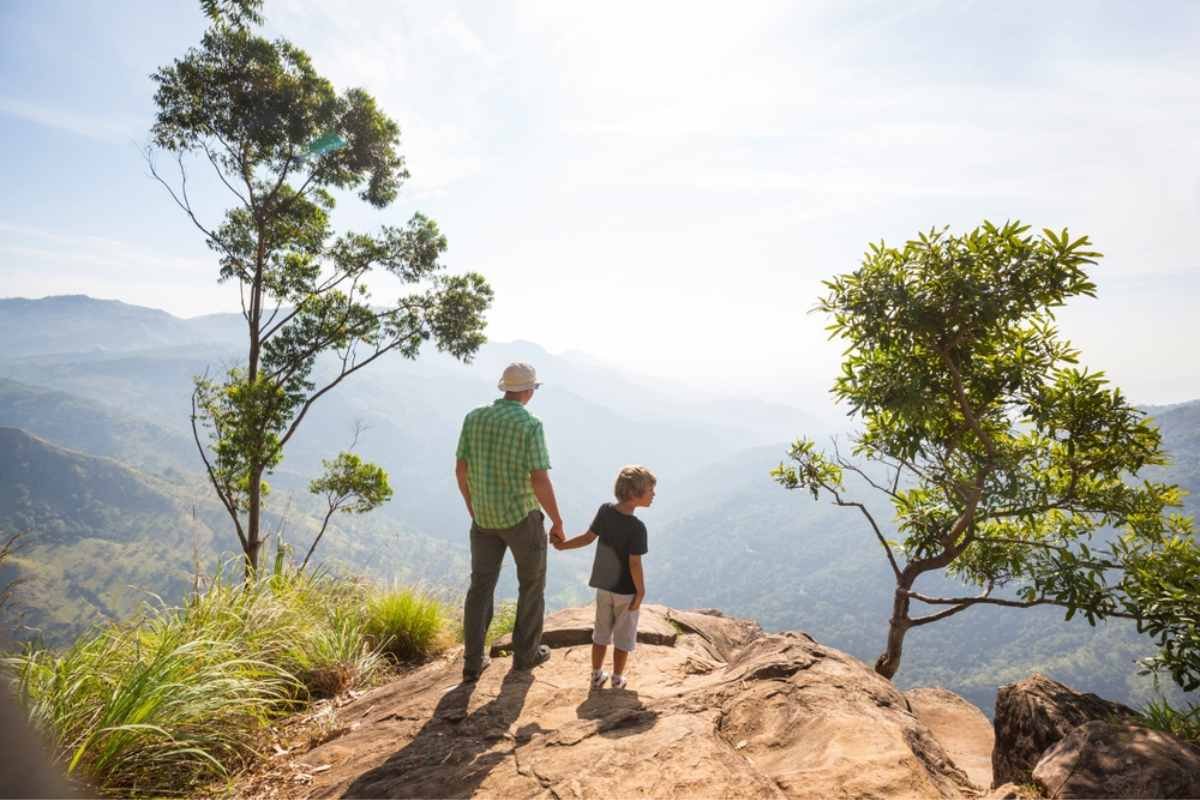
556 533
636 602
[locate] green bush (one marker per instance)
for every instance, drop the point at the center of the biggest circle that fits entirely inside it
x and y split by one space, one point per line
406 623
179 697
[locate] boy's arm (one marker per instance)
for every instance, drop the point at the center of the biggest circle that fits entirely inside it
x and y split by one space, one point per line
582 540
639 582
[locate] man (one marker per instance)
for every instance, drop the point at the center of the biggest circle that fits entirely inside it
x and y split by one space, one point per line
503 473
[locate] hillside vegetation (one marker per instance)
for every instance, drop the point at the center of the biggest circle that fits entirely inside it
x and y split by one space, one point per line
721 533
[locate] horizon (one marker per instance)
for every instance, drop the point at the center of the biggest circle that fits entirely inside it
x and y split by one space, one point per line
705 183
819 405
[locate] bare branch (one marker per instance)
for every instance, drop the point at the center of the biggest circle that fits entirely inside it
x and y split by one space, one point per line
997 601
221 174
887 549
949 612
342 376
181 202
226 501
846 465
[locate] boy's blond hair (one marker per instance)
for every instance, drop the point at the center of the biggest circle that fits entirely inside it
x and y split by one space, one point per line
632 481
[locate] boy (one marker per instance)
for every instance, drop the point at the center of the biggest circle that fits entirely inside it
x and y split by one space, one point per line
617 571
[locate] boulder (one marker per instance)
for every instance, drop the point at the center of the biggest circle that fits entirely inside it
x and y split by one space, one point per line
716 709
1119 759
1035 714
964 731
573 626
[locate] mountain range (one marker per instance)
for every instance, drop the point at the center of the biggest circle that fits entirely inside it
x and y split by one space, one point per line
98 467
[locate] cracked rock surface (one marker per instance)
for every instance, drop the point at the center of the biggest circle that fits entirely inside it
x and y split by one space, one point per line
714 708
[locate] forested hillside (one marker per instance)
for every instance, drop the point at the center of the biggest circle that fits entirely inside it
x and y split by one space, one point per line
106 484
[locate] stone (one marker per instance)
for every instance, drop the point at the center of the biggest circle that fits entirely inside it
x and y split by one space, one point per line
963 729
1034 714
1119 759
715 709
572 627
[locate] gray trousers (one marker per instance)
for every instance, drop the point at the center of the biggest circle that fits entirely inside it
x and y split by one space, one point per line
527 539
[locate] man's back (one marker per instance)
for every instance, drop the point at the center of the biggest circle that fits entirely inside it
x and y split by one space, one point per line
502 443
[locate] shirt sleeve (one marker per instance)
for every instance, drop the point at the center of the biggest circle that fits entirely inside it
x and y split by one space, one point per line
637 547
538 455
597 524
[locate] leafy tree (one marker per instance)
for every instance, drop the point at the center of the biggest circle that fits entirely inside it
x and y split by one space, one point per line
351 486
1001 458
280 139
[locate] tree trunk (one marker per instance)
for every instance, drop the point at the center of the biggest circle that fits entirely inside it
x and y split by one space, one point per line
254 506
888 663
253 540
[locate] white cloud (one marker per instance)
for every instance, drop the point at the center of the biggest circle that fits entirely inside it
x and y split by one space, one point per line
104 127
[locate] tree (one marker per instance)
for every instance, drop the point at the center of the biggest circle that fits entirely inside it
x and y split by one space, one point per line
351 486
280 140
1002 459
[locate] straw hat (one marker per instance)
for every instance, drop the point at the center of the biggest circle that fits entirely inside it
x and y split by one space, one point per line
518 376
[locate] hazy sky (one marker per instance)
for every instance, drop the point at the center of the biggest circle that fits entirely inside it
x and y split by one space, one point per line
662 185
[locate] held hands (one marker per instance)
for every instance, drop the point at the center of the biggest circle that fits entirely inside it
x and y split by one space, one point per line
557 537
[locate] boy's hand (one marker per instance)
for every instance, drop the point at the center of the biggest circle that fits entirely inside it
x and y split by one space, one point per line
636 603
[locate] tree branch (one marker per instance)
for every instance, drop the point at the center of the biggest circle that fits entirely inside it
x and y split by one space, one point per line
342 376
997 601
226 501
837 499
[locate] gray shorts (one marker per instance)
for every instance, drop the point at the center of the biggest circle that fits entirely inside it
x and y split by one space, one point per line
615 623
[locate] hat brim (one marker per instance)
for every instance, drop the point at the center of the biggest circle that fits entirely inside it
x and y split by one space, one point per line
521 387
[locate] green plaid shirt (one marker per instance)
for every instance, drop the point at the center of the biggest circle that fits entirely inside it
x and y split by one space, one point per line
501 444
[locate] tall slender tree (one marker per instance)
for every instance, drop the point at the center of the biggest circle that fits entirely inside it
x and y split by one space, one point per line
1001 458
280 140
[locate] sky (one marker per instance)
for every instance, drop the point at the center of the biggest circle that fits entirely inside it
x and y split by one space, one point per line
662 186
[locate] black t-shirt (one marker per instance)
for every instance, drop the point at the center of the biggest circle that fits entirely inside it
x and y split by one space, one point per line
620 536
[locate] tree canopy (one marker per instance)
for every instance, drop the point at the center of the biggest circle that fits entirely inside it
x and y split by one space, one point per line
1006 463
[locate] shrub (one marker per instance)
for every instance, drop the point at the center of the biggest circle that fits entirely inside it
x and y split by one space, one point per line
180 696
405 623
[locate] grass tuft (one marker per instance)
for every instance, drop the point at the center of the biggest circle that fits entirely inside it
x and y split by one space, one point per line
406 623
1160 715
179 697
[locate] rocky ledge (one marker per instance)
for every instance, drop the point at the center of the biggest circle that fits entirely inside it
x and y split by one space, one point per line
714 708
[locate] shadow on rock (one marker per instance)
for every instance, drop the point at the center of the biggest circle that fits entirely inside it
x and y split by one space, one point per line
454 751
619 712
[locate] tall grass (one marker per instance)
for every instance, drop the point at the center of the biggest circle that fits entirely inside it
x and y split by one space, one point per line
1162 716
405 623
178 697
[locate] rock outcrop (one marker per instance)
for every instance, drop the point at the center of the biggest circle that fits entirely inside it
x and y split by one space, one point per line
1035 714
963 730
714 708
1107 759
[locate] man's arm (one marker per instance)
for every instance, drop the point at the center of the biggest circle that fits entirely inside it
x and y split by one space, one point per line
639 582
460 472
543 489
582 540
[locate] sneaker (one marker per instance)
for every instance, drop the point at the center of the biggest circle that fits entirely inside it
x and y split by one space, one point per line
618 681
541 656
471 677
599 676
